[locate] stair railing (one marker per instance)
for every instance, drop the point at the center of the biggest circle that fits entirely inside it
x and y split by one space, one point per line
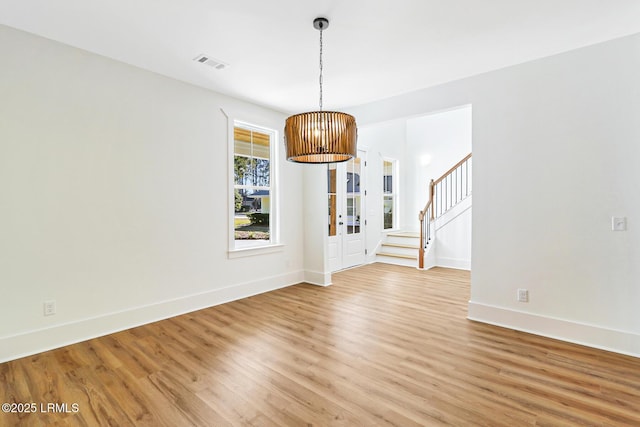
425 226
444 193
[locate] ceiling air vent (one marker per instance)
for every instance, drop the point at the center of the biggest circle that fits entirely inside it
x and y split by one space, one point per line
211 62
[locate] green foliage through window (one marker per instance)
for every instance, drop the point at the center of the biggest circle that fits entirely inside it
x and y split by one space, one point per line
252 184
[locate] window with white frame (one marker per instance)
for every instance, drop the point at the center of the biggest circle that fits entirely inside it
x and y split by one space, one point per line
253 186
389 194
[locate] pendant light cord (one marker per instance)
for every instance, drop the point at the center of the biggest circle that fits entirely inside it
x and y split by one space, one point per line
321 68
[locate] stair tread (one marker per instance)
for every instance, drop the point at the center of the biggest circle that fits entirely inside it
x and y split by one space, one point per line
399 245
404 234
397 255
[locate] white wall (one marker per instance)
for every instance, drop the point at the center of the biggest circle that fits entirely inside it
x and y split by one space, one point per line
314 211
385 140
113 197
436 142
555 148
453 232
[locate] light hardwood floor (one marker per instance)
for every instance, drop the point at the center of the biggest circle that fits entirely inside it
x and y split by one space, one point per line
385 345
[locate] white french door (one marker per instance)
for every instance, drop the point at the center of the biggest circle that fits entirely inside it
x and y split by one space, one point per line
346 211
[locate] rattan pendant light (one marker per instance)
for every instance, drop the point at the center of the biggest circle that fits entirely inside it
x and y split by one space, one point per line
320 136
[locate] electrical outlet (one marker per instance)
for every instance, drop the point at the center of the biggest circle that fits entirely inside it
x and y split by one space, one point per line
49 308
523 295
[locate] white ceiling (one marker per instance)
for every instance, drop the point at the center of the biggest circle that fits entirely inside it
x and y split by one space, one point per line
373 49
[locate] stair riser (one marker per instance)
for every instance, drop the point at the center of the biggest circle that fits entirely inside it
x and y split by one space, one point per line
402 251
410 241
397 261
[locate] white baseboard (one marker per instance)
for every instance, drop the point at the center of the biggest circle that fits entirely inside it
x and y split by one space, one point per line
575 332
37 341
317 278
457 263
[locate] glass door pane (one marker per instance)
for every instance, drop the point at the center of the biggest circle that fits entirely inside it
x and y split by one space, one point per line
332 198
388 194
354 201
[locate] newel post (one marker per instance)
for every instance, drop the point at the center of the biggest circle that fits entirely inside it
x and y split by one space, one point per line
421 250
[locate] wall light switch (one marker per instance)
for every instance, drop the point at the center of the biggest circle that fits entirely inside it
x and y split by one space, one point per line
618 223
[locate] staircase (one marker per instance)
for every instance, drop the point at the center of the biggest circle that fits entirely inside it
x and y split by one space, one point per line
400 248
446 192
416 249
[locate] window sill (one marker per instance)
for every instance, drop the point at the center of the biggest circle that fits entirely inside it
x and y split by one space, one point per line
256 250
